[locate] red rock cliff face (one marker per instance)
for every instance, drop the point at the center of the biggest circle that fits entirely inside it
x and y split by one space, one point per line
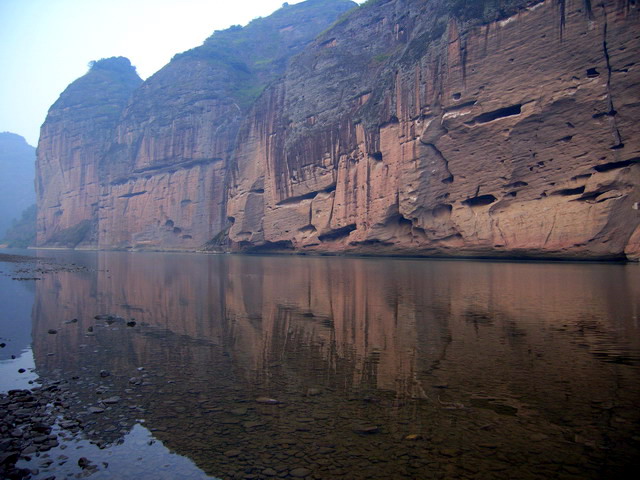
165 176
156 175
73 139
403 130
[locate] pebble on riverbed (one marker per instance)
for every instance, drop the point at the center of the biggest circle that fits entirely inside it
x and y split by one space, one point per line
27 427
21 435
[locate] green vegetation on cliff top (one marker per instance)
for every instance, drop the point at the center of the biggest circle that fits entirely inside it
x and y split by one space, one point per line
255 55
102 92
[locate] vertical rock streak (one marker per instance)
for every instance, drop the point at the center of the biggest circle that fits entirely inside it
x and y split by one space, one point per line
408 127
466 146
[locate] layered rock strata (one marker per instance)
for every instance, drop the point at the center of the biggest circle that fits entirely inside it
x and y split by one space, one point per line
514 137
489 128
158 180
74 138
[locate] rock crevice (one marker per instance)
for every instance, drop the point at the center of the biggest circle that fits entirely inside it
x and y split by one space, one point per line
407 127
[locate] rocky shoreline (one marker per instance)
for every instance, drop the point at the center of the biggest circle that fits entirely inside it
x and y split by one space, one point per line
27 421
28 417
32 268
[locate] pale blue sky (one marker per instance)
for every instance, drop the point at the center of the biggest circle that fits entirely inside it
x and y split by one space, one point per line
47 44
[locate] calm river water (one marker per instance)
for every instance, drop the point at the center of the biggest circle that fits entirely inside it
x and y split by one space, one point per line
254 367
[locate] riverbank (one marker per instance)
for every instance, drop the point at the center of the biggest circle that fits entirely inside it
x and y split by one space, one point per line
32 268
616 259
27 421
262 367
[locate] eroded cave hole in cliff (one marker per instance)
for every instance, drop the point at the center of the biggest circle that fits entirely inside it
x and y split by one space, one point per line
479 201
591 197
496 114
338 233
398 220
567 192
308 229
605 167
441 210
298 198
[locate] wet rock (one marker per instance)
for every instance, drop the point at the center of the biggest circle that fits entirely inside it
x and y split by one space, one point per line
5 444
366 429
95 410
51 444
111 400
7 458
68 423
41 439
450 452
29 450
84 463
300 472
232 453
104 373
41 428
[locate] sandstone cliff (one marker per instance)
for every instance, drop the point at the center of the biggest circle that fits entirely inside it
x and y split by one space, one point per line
448 127
406 130
73 139
162 164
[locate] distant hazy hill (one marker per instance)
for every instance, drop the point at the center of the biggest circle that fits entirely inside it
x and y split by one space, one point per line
17 173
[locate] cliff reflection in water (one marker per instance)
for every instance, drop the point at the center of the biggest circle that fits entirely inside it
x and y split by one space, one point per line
382 368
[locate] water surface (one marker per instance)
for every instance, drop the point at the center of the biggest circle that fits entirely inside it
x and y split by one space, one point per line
293 367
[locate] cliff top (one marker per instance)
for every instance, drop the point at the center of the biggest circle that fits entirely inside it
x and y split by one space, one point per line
257 53
109 80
